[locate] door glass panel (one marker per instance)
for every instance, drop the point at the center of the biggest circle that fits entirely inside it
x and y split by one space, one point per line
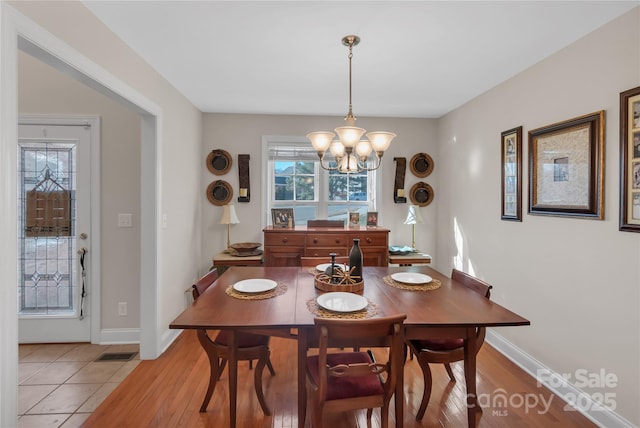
46 221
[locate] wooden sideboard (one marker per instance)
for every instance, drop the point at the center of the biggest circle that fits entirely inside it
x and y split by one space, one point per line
284 246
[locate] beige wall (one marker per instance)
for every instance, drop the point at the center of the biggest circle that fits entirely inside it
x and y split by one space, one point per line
179 150
240 134
44 90
577 280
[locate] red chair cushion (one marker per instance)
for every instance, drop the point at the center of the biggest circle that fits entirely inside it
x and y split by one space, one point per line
245 340
346 387
446 344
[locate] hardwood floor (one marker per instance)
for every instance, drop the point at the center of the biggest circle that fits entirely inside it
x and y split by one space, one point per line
167 392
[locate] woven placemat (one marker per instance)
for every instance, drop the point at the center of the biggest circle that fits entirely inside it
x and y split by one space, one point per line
368 312
281 288
433 285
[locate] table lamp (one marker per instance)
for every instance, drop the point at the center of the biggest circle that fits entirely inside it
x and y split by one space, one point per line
229 217
413 218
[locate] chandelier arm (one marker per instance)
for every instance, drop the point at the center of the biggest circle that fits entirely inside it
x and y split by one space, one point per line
322 164
377 164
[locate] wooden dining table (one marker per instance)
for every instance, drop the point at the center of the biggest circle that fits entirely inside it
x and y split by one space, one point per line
451 310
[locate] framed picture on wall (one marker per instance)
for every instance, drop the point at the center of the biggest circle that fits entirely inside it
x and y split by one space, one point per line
630 160
511 148
566 168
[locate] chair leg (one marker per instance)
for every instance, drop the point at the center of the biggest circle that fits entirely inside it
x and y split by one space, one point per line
270 367
215 370
257 380
384 416
447 367
426 395
223 363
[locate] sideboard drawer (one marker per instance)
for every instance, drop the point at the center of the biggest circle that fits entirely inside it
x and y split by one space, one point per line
367 239
325 251
327 240
273 239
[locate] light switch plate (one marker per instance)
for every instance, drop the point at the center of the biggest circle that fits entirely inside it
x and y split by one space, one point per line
125 220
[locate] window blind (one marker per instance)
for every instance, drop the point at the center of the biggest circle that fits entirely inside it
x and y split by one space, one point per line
291 152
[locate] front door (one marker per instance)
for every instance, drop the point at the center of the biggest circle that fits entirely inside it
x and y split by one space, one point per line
54 219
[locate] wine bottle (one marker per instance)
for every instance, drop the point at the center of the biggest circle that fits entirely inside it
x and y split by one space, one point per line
355 261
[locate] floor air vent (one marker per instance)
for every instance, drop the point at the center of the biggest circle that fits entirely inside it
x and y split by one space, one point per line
116 356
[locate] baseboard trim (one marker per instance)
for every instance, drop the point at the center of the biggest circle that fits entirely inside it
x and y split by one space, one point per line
167 339
117 336
572 395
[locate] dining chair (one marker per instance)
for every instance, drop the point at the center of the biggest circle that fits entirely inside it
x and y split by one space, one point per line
446 350
315 261
250 347
340 381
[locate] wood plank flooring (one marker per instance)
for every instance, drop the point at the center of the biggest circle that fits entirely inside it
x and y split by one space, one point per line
167 392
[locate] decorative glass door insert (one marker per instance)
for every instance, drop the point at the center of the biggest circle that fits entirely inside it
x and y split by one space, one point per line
47 265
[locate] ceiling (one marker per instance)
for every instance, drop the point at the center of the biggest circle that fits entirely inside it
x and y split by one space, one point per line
415 58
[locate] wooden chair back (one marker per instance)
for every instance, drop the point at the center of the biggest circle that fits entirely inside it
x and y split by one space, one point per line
477 285
203 283
315 261
386 332
325 223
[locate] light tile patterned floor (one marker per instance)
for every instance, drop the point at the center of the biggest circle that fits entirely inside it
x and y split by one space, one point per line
61 384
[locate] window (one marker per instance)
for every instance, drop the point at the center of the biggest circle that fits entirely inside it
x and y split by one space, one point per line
296 180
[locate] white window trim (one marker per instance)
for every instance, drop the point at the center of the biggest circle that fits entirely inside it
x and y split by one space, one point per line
322 192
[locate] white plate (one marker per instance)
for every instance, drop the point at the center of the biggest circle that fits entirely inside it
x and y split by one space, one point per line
255 285
342 302
323 267
411 278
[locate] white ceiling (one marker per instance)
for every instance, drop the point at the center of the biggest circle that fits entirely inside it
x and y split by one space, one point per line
416 58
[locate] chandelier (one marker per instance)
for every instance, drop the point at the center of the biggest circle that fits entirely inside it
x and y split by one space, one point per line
350 150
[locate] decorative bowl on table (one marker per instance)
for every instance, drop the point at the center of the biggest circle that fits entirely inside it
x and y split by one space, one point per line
245 247
397 250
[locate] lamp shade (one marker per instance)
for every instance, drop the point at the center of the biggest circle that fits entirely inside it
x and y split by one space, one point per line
413 216
229 215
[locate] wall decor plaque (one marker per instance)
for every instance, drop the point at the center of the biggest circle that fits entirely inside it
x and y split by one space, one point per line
219 161
421 165
398 185
243 178
219 192
421 194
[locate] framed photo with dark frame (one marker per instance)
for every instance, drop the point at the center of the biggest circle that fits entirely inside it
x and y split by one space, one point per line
566 168
511 148
630 160
282 217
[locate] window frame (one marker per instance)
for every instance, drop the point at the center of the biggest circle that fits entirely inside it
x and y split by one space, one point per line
321 201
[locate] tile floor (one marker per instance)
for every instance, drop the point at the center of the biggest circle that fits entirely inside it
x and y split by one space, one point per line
59 385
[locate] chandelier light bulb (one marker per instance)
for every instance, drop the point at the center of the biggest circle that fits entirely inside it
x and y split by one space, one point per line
320 140
337 149
363 149
380 141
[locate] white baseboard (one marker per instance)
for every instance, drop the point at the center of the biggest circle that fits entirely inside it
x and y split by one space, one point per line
591 409
116 336
167 339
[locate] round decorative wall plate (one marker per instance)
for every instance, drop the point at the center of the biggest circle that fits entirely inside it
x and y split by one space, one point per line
421 165
421 194
219 161
219 192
